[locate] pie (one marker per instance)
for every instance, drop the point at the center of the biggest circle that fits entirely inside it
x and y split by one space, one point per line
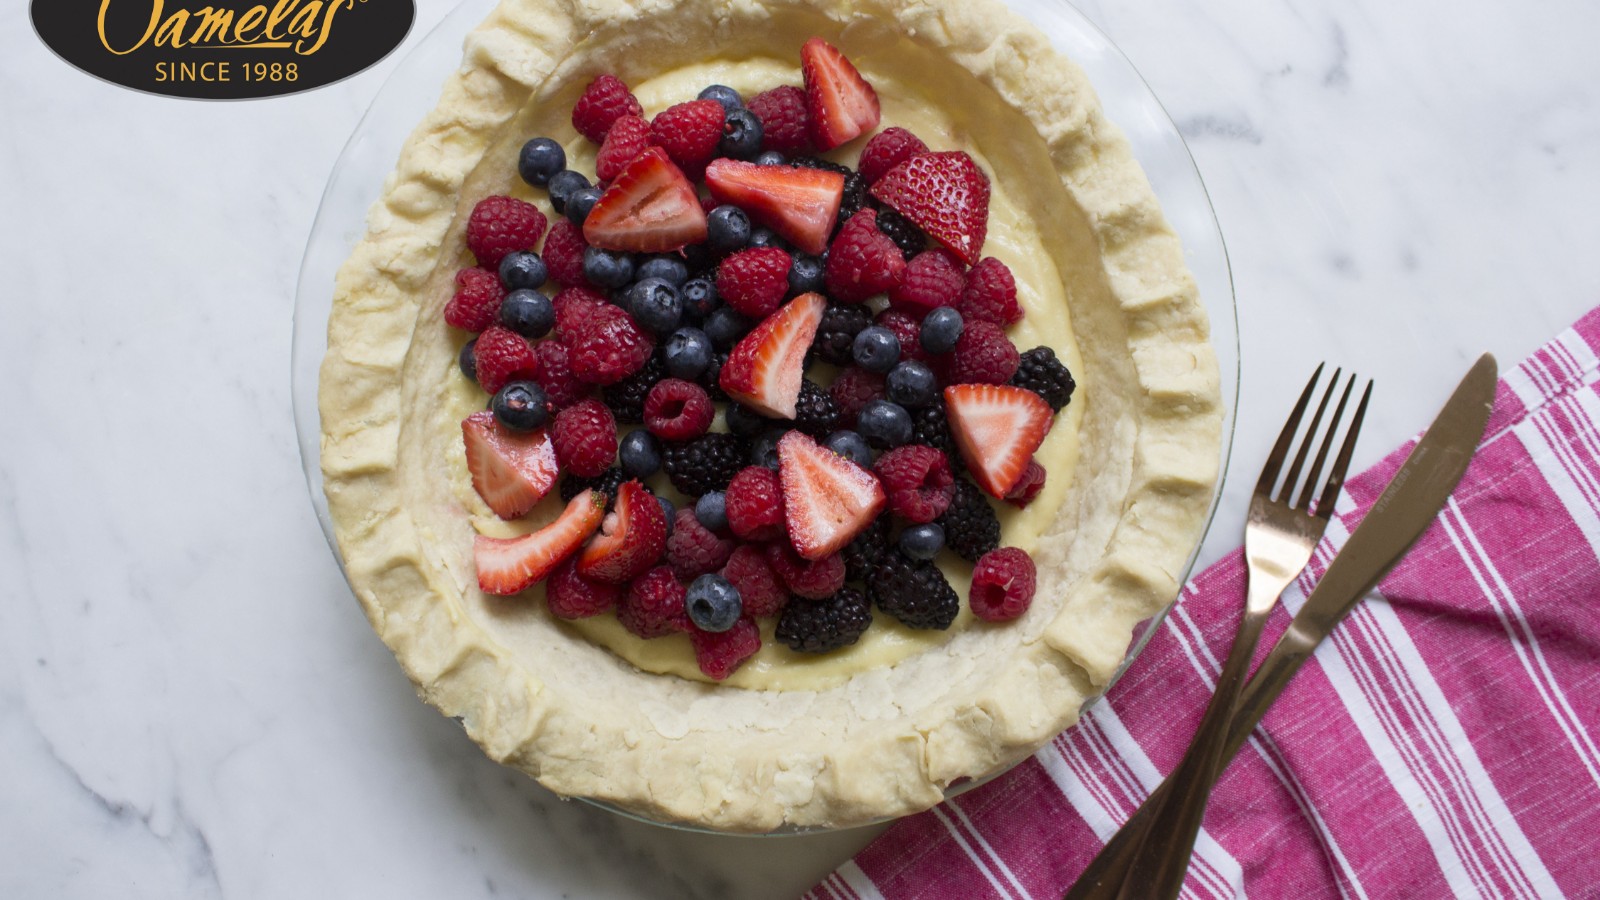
882 728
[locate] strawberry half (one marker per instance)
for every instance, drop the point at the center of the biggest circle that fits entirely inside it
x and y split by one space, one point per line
998 427
512 565
799 204
630 541
511 472
827 499
765 368
946 195
650 208
840 102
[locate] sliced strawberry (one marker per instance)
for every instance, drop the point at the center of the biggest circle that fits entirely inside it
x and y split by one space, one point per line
799 204
650 208
512 565
998 427
840 102
511 472
946 195
631 539
827 499
765 368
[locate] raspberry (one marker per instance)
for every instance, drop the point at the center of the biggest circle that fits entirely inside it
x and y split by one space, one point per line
933 278
836 334
572 308
626 397
629 136
917 479
563 253
819 626
502 356
609 347
694 550
983 355
677 410
1028 485
755 504
785 124
561 387
719 653
906 235
706 463
501 225
887 149
653 606
759 587
852 391
907 330
607 482
862 261
862 554
808 578
604 101
991 294
1039 371
585 438
754 281
571 596
476 304
1003 583
914 592
689 132
971 528
815 412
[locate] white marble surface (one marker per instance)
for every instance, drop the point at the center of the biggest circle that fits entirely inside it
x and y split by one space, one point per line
192 705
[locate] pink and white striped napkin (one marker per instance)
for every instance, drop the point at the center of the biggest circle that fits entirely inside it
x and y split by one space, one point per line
1445 741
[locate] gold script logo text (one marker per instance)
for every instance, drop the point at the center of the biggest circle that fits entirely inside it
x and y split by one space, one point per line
285 24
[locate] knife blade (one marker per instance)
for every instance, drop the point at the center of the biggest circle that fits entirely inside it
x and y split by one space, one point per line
1396 519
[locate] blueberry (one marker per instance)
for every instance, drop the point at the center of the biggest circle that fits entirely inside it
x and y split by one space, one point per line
540 159
523 269
670 511
727 96
772 158
724 327
656 305
520 406
805 274
639 453
876 348
764 452
884 424
727 228
741 135
912 385
670 270
714 604
922 541
580 202
699 298
563 185
941 329
744 421
606 268
852 446
468 360
687 353
712 511
765 237
528 313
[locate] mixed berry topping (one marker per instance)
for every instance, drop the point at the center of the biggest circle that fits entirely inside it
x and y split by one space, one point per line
772 390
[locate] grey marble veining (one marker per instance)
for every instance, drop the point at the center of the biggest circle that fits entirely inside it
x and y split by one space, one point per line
192 705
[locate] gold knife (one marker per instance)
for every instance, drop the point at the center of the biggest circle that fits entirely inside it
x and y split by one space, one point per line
1397 518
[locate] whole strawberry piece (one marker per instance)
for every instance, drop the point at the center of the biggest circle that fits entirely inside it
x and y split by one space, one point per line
998 428
604 101
631 539
629 136
476 302
946 195
585 437
503 355
650 208
754 281
863 261
501 225
887 149
512 565
785 123
511 472
840 102
609 347
827 499
689 132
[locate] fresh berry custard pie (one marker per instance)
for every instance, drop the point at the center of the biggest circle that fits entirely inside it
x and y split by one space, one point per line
765 414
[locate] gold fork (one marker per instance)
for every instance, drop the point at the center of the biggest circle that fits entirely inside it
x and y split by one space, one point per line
1148 858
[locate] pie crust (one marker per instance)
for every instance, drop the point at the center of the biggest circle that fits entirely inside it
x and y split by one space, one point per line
882 742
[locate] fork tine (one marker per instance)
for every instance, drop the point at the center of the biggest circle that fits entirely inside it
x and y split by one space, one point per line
1287 492
1330 492
1280 450
1327 444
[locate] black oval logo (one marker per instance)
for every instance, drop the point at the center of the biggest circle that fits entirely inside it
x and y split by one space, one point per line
224 49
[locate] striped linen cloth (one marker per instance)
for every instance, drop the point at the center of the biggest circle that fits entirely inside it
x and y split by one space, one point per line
1443 742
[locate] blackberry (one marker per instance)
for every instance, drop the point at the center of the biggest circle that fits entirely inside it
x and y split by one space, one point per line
606 482
711 378
931 425
817 626
1040 372
862 554
817 162
908 237
914 592
836 333
971 528
855 197
626 397
815 412
706 463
